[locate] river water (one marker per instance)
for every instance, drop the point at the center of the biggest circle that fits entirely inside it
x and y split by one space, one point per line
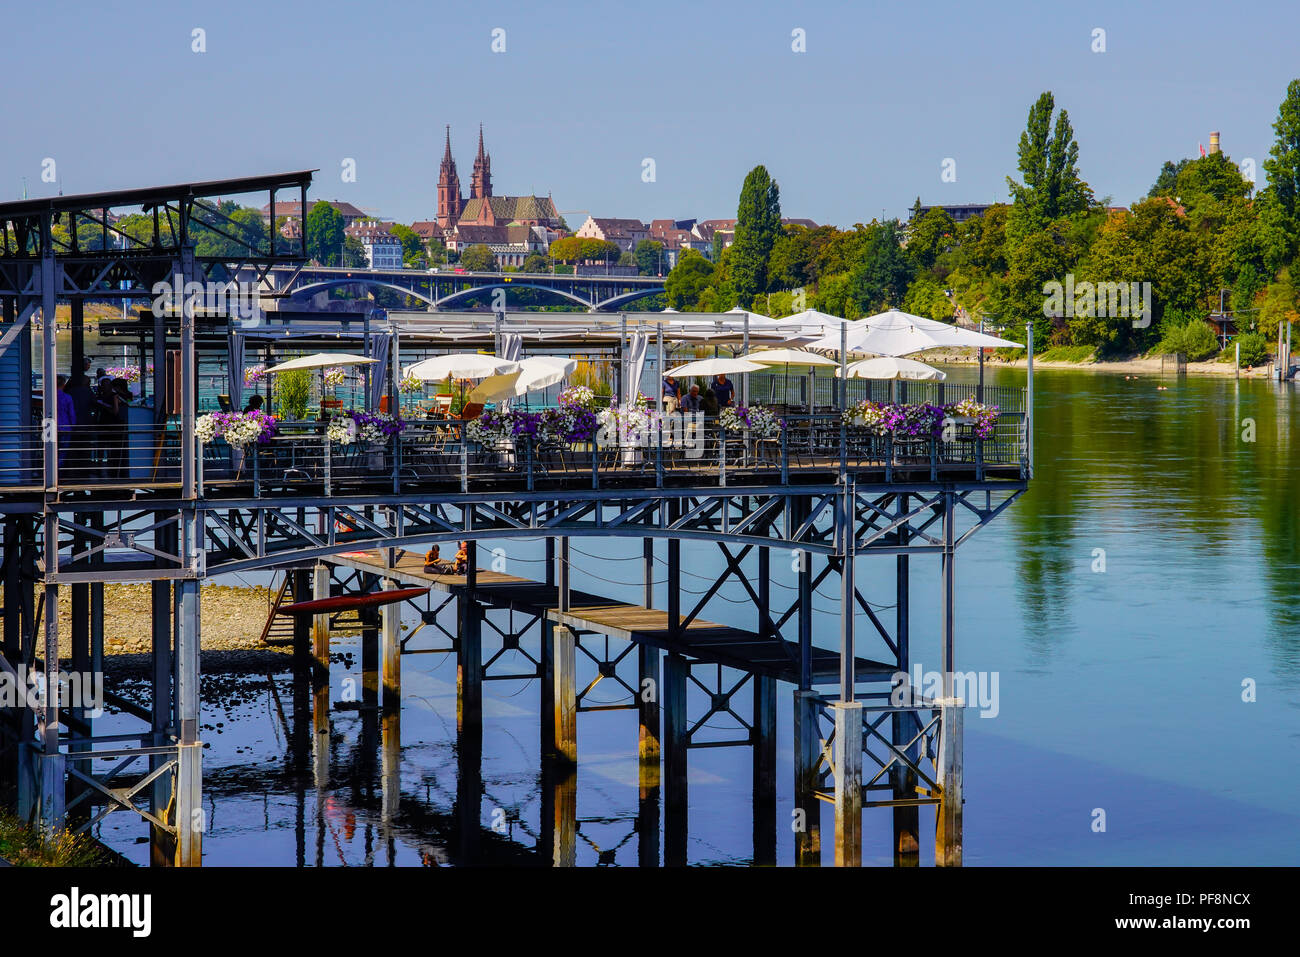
1138 607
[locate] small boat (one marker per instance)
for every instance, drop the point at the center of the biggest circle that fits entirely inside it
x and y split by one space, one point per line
322 606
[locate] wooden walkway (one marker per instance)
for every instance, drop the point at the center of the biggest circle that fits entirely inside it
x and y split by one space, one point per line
702 640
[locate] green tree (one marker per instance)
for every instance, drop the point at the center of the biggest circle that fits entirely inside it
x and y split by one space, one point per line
880 277
1048 164
687 280
1283 168
412 244
323 231
354 253
758 223
649 257
930 235
1166 183
478 258
536 262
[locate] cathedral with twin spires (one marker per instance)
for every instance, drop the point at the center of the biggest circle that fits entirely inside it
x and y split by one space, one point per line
482 209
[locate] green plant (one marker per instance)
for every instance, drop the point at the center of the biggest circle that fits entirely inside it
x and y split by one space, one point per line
589 374
26 847
292 392
1255 349
1195 339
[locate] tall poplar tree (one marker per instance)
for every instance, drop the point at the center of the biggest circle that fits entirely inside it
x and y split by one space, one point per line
758 223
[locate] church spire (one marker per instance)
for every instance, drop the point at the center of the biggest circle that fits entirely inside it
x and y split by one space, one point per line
481 181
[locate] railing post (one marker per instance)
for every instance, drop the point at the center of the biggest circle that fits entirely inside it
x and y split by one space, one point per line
934 458
785 458
464 462
844 448
659 452
979 457
722 456
889 456
329 464
200 466
528 452
397 462
257 475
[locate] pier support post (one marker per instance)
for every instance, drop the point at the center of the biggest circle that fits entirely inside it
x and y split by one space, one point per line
648 690
559 836
848 783
53 797
391 652
807 754
469 650
302 626
764 769
907 820
562 664
676 740
564 694
164 607
948 820
320 625
188 818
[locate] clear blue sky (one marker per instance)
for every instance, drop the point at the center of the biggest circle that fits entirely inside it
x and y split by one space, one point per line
857 125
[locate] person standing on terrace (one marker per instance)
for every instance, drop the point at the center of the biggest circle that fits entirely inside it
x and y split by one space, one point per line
724 390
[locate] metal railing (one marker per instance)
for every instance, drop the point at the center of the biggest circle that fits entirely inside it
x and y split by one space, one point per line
677 450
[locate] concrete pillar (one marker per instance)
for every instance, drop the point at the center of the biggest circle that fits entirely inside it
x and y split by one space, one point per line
948 820
847 759
189 818
320 625
390 651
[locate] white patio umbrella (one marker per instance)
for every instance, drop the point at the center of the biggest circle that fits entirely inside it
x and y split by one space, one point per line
320 360
460 365
896 333
788 357
535 372
893 367
716 366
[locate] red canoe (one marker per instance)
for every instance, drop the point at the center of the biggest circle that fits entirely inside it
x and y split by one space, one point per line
321 606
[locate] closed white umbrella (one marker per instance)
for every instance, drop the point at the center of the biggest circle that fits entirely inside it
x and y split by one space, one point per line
892 367
535 372
716 366
460 365
320 360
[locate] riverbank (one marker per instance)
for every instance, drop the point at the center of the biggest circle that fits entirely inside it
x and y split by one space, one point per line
233 618
1134 366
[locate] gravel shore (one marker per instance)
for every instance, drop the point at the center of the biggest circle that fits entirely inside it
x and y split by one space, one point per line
230 631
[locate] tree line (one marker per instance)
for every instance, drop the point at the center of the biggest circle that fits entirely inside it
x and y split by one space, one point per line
1202 233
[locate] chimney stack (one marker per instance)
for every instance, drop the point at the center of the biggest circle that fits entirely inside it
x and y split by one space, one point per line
1214 142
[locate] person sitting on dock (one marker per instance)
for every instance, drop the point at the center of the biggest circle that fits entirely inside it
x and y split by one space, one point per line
432 563
691 401
462 559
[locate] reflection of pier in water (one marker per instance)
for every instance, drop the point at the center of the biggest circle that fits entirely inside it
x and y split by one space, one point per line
817 494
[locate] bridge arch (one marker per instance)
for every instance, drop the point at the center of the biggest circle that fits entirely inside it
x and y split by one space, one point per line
476 290
617 302
305 292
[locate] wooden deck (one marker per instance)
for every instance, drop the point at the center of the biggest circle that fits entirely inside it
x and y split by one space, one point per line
702 640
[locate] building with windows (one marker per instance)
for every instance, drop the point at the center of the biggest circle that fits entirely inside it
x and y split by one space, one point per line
383 249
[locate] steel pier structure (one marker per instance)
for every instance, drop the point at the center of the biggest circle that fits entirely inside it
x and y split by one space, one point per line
828 503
